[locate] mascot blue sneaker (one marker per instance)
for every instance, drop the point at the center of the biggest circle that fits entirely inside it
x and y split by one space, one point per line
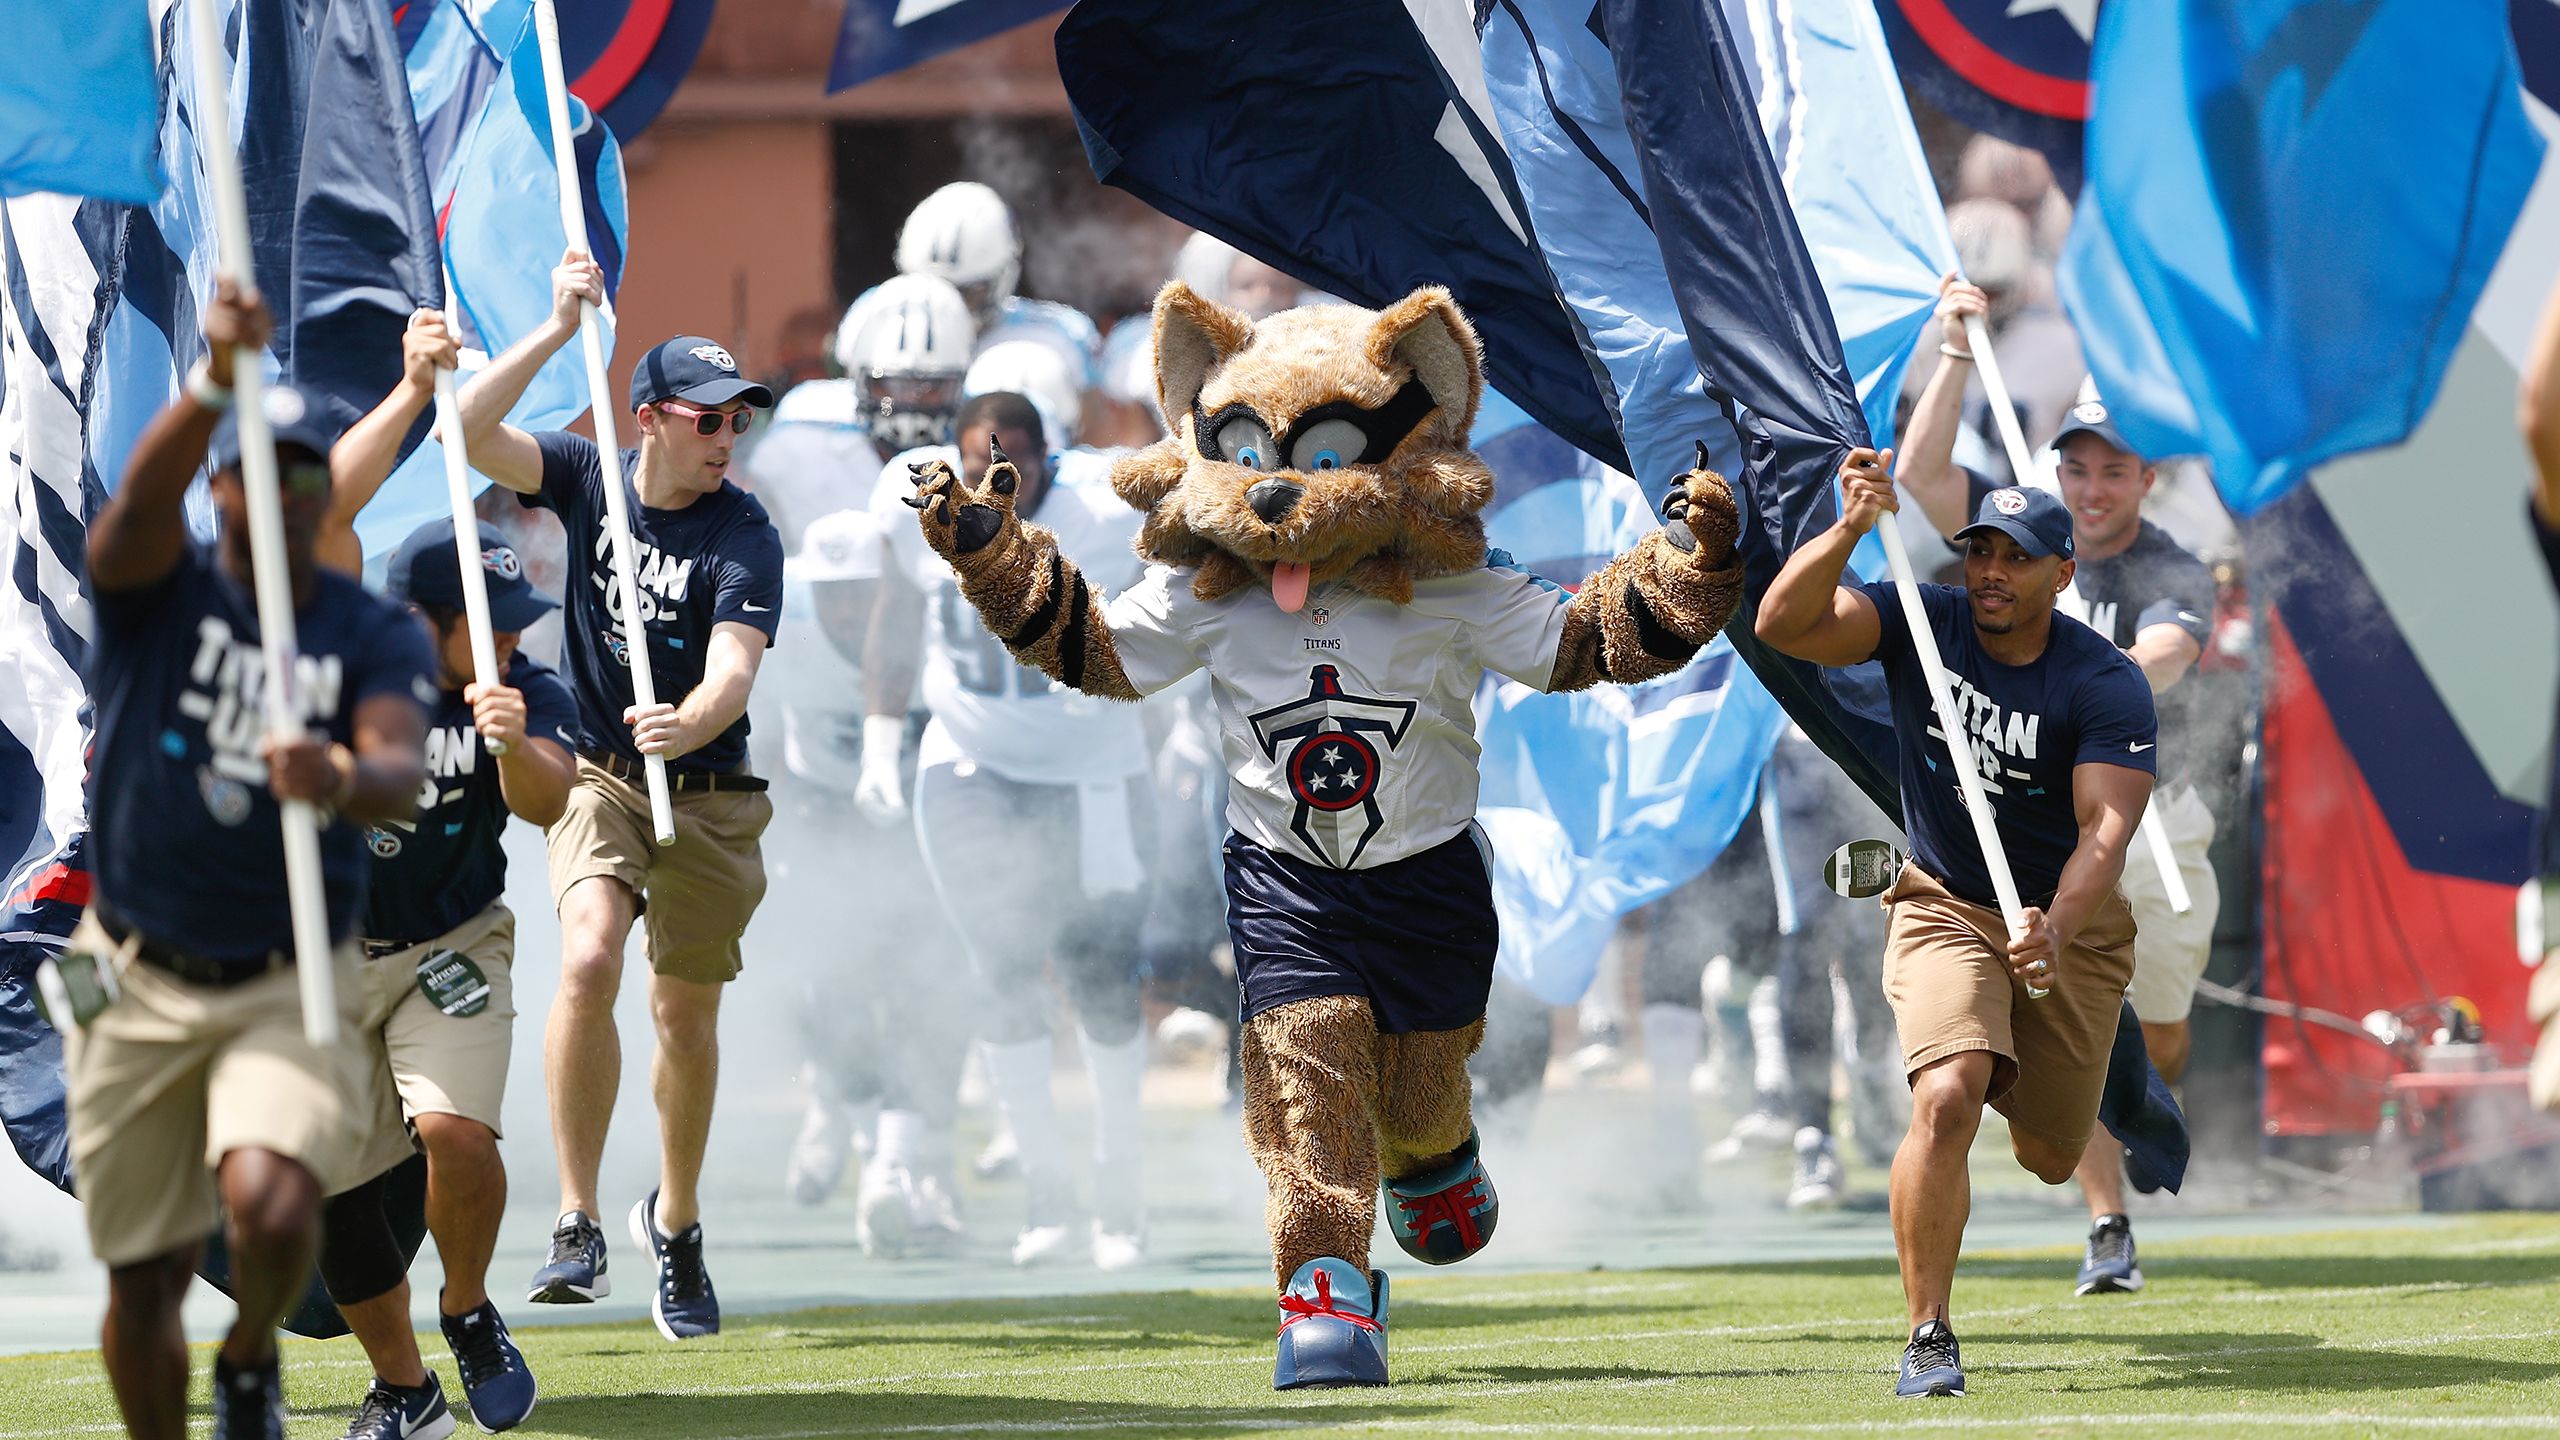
1333 1328
1443 1216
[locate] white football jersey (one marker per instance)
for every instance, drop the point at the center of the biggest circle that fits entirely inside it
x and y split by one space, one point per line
814 701
1349 728
987 707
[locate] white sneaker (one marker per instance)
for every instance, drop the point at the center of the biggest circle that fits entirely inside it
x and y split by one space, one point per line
1762 1129
882 1223
1819 1179
933 1214
1046 1231
1117 1250
817 1155
1001 1157
1040 1244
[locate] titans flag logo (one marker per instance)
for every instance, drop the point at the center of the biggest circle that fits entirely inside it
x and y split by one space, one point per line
1332 748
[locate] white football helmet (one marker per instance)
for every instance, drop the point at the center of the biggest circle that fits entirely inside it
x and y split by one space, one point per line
964 233
906 346
1037 373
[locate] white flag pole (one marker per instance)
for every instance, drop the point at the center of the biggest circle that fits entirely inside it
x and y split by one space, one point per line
466 537
617 511
269 575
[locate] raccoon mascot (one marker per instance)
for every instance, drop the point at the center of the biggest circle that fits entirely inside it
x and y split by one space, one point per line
1315 542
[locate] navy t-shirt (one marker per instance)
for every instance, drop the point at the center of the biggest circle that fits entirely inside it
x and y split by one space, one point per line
2081 702
449 864
184 835
716 559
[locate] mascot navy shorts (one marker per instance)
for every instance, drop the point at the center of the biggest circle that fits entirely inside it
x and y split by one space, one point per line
1413 937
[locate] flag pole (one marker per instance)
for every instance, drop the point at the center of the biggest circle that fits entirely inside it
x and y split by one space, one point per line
617 512
270 578
466 536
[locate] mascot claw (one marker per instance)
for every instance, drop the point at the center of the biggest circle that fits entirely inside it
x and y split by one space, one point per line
960 519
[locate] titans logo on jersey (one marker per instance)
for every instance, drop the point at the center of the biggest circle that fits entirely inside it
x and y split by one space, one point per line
1332 746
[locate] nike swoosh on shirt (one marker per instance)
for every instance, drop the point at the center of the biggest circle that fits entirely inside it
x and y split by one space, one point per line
755 609
2138 749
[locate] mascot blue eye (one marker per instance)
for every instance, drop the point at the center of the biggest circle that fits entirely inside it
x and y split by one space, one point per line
1327 445
1246 441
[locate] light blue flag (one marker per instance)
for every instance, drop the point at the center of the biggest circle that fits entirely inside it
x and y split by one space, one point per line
1832 108
2291 208
79 103
475 78
1603 801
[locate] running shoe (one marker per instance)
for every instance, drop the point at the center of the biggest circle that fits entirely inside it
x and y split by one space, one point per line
1819 1181
496 1382
1931 1363
575 1274
684 1304
401 1412
247 1404
2110 1268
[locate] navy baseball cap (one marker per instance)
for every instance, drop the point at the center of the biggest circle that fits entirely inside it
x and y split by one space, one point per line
427 570
2090 417
296 419
695 370
2036 519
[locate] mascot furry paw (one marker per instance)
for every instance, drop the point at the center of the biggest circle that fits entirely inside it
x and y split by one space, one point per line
1316 543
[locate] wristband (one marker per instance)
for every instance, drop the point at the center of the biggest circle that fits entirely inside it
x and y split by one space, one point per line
883 736
1953 353
202 390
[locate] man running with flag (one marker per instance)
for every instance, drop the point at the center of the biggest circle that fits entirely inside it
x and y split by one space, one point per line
2065 739
192 1085
708 573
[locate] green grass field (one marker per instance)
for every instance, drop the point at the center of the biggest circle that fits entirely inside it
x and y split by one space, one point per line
2347 1334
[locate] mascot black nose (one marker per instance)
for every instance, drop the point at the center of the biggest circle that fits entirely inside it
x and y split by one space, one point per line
1272 499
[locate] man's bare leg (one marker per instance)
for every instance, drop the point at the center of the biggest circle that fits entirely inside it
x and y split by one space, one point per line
581 1053
145 1346
1932 1190
274 1205
466 1196
684 1075
381 1326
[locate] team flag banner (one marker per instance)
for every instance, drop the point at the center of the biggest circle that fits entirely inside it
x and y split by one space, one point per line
882 37
474 76
2018 69
2223 306
97 326
79 112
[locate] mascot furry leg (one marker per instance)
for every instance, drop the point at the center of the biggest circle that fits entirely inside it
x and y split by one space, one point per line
1332 1108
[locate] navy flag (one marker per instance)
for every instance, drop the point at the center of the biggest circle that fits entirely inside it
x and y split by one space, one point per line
882 37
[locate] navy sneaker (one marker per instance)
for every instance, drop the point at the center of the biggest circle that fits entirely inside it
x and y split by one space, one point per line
2110 1267
247 1404
400 1412
576 1272
1443 1216
1931 1364
1333 1328
684 1307
495 1380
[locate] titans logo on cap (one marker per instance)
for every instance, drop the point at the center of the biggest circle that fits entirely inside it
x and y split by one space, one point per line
2008 501
501 561
2089 412
714 355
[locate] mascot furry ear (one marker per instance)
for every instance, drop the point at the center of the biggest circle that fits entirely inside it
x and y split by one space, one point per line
1194 334
1424 332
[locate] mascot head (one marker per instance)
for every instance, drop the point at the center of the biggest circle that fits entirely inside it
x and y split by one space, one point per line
1324 443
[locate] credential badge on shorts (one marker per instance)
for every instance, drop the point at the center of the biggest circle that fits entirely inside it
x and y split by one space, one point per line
452 983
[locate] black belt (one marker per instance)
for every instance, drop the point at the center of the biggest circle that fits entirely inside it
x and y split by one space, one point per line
678 781
194 969
376 949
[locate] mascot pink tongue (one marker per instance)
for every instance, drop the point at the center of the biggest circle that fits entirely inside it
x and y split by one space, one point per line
1289 585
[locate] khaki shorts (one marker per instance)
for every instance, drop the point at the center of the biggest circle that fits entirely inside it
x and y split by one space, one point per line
697 894
2171 955
1947 977
440 1056
174 1076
